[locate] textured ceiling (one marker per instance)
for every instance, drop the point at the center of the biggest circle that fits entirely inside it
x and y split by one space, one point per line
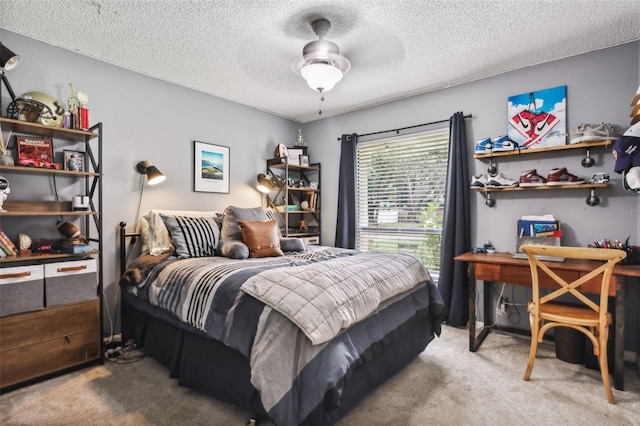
244 50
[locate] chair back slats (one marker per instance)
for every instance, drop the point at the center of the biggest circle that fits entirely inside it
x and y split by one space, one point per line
590 318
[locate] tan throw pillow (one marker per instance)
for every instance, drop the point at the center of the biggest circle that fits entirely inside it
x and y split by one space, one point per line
261 237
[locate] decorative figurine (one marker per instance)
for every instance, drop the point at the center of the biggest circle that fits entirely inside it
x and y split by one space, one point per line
303 225
300 140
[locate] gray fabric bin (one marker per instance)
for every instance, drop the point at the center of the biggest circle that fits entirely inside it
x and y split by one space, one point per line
69 282
21 289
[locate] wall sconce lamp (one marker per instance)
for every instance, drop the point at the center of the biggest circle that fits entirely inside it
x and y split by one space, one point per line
154 175
8 61
266 183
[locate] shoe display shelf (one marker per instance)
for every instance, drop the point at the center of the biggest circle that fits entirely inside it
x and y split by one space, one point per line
591 200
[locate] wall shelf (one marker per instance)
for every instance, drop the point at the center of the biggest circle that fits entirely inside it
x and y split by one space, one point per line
527 151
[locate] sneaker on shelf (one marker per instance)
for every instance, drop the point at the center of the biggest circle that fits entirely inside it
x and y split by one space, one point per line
560 176
531 178
479 181
592 133
500 181
576 136
483 146
504 143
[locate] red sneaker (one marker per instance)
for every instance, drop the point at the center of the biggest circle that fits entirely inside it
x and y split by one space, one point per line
531 178
562 177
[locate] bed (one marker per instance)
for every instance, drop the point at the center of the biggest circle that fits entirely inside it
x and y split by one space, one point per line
295 334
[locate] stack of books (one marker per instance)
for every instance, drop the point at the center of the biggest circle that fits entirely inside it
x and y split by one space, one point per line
7 247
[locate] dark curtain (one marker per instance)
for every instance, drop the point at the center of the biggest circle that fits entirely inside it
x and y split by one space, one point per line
346 221
456 234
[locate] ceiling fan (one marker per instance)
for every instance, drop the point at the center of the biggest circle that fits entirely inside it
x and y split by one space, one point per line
321 64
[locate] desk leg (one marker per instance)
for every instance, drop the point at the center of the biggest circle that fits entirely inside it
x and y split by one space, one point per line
618 374
475 342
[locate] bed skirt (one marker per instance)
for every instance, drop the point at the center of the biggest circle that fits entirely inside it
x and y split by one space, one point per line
208 366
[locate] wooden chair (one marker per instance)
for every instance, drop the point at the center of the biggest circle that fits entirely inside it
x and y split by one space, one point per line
590 318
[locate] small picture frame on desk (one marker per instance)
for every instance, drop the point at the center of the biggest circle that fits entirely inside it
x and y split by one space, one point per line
74 161
304 160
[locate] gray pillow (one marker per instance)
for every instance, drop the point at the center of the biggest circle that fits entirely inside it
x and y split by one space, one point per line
231 244
292 244
192 236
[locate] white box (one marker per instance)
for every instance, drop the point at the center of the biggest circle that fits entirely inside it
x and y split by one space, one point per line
69 282
311 241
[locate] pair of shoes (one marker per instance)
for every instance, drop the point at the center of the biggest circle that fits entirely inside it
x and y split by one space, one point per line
495 181
499 144
531 178
592 133
560 176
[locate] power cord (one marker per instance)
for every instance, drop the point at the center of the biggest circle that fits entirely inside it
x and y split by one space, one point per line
124 355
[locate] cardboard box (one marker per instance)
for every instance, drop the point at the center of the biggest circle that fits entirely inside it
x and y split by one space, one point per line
21 289
69 282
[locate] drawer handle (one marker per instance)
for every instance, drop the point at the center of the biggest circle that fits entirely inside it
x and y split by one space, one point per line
16 275
72 268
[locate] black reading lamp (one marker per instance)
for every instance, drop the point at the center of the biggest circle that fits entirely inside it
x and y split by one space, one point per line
266 183
154 175
8 61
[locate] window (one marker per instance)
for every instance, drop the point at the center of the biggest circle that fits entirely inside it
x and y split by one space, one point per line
400 195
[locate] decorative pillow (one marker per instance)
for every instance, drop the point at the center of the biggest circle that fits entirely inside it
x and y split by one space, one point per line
192 236
231 244
292 244
261 237
155 236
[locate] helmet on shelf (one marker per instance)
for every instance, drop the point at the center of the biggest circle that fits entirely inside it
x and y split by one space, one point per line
37 107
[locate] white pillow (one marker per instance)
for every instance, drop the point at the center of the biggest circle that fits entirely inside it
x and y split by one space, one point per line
157 240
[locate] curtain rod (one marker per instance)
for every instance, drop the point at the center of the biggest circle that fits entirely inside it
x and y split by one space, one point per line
409 127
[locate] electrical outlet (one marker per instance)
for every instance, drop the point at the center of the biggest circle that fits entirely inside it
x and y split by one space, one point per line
503 305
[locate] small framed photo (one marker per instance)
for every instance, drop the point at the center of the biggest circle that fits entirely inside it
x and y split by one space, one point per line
210 167
294 156
304 160
74 161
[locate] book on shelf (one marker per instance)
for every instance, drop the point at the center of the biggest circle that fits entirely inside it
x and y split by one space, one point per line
7 244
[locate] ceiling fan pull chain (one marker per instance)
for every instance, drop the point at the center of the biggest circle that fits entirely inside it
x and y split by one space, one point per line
321 100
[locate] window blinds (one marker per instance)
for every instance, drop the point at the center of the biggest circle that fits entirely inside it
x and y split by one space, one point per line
400 189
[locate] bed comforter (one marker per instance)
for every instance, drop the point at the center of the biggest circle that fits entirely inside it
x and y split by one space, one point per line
297 318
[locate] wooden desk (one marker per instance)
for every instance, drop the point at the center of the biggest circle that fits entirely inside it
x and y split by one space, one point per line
502 267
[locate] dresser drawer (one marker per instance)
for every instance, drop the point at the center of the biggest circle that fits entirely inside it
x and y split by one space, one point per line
21 289
68 282
50 340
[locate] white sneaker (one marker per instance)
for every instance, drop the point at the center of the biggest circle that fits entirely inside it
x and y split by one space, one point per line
501 181
592 133
479 181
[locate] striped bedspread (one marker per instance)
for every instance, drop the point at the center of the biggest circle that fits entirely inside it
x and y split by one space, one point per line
291 373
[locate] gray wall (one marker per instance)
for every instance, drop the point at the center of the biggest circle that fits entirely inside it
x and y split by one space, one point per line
599 87
146 118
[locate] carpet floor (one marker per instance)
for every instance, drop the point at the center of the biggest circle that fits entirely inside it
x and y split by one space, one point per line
445 385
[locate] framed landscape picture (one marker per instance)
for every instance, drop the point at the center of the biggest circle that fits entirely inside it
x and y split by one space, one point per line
210 167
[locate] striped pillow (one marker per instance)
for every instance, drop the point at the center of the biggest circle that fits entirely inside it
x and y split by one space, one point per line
192 236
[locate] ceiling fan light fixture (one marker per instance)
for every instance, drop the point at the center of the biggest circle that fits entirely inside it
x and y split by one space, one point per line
322 65
321 77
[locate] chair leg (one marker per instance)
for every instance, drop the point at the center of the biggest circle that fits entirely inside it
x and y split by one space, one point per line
533 350
603 336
